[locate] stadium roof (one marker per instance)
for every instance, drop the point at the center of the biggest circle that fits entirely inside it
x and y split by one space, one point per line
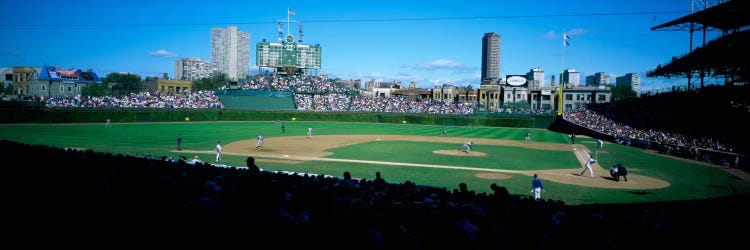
726 16
726 55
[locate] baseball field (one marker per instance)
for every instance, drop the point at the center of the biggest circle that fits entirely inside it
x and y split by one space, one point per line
417 153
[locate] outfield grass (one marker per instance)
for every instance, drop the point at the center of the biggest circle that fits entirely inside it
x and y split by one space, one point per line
688 180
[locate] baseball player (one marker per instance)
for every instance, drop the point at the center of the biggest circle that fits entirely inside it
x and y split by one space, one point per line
536 187
466 147
573 138
218 151
588 166
528 137
260 141
309 132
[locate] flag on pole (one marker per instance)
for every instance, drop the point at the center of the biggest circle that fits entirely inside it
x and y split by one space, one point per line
291 12
565 39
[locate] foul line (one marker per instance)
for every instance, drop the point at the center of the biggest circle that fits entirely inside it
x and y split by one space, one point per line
388 163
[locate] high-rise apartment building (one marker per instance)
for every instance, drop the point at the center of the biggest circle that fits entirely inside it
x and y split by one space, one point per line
597 79
634 80
571 76
230 51
490 57
535 77
192 68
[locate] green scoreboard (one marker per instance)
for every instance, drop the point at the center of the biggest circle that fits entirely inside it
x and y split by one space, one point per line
287 54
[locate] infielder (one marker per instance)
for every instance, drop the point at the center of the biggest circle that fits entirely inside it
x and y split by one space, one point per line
309 132
260 141
528 137
588 166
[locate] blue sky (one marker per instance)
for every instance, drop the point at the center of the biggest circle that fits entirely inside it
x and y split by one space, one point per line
424 41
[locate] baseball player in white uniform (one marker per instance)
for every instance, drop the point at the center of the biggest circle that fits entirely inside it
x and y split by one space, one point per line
309 132
467 147
218 151
588 166
260 141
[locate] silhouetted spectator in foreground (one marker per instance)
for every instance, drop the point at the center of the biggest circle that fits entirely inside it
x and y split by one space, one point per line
254 169
379 183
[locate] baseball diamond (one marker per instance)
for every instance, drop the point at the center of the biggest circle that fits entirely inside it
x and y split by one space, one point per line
412 152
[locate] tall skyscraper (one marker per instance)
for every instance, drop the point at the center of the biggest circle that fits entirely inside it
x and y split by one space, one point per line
230 51
490 56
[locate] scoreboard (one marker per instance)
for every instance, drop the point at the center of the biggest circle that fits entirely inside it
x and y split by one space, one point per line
288 54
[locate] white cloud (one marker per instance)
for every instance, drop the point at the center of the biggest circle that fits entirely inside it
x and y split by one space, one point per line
369 75
572 32
549 35
401 76
440 64
578 31
162 53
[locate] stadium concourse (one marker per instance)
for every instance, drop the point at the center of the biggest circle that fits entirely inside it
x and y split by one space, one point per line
90 200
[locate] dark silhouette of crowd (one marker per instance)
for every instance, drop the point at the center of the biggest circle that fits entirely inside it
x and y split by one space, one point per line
70 198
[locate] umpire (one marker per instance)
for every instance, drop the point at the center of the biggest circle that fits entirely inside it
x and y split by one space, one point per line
619 170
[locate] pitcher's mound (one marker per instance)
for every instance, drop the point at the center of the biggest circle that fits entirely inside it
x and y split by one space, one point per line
457 152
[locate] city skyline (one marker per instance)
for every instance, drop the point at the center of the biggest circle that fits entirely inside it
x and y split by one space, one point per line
383 40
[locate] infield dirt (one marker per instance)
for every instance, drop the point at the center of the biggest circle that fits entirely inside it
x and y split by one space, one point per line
296 149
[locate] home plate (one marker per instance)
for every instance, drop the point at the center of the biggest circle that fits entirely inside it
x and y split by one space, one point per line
377 139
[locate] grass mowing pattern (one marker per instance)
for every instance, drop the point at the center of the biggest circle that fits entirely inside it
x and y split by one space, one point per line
688 180
498 157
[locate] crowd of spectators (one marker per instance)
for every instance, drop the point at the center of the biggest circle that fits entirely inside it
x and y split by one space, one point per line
592 120
85 199
665 141
392 104
193 100
295 83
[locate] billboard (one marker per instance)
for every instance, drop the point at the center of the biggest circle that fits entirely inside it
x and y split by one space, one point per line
516 80
288 54
70 75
